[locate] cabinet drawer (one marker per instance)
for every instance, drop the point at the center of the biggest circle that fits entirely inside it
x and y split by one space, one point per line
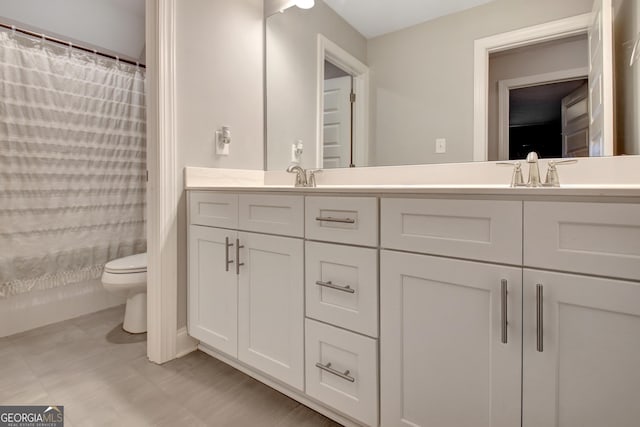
486 230
213 209
272 214
341 370
342 219
342 286
592 238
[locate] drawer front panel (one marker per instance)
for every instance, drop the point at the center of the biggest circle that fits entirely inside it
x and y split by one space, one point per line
341 371
592 238
484 230
351 220
342 286
213 209
272 214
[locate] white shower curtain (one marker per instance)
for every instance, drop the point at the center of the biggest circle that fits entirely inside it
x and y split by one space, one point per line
72 164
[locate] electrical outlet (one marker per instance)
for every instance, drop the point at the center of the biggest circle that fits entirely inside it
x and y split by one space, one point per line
441 145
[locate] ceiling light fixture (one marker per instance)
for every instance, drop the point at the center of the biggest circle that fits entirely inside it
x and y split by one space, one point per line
305 4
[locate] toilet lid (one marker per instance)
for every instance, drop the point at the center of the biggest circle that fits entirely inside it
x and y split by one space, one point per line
131 264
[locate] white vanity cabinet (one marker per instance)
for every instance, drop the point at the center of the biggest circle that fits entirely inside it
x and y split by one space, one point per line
246 295
575 333
424 310
342 292
450 338
581 343
444 359
580 364
213 289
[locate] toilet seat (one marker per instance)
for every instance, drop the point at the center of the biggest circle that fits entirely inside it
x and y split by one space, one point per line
127 265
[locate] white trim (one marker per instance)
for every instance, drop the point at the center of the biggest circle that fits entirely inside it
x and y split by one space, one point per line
163 186
284 389
504 86
554 30
185 343
328 50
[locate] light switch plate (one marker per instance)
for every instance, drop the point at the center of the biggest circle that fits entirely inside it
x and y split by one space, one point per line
441 145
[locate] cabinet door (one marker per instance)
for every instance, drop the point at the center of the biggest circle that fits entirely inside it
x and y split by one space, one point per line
271 306
442 360
586 374
213 291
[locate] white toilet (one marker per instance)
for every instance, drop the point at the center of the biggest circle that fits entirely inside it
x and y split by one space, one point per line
129 274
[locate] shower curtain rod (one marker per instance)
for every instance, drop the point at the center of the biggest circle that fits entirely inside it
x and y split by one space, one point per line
69 44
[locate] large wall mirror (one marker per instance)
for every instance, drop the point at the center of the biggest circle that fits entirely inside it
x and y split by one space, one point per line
397 82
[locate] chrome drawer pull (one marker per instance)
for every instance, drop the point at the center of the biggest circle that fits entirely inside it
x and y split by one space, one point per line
539 322
226 253
504 321
348 289
344 375
331 219
238 263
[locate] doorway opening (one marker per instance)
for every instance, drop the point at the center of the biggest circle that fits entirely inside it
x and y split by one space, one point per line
550 119
338 132
343 112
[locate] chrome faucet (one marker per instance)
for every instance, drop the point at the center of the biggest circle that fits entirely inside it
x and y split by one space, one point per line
534 181
534 171
304 178
301 175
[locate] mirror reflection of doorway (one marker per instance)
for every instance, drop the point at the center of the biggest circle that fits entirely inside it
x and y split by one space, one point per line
550 119
337 143
529 83
343 108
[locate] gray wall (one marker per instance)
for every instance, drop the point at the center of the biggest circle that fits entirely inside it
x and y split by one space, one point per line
627 18
543 58
291 86
114 25
219 81
423 78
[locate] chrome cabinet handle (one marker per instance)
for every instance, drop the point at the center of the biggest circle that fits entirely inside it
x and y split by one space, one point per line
539 321
238 263
504 292
226 254
344 375
331 219
348 289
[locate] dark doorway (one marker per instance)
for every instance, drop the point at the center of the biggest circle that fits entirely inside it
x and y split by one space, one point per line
535 119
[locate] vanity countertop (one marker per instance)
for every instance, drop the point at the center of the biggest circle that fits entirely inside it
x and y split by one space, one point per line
209 179
479 190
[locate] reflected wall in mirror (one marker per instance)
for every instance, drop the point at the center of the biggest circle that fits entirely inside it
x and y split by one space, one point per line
420 95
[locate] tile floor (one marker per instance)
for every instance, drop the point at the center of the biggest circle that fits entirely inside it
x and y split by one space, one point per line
102 377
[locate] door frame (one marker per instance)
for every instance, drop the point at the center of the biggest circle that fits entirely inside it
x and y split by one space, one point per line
554 30
505 86
329 51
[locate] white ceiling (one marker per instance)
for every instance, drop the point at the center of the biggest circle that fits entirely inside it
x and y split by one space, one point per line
373 18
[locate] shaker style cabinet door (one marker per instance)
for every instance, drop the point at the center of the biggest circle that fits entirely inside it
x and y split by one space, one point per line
271 306
581 351
213 289
449 354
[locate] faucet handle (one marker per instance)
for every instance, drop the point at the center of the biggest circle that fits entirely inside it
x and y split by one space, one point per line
516 178
553 180
311 178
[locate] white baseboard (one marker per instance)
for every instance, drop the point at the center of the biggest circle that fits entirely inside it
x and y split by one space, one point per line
32 310
185 344
284 389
